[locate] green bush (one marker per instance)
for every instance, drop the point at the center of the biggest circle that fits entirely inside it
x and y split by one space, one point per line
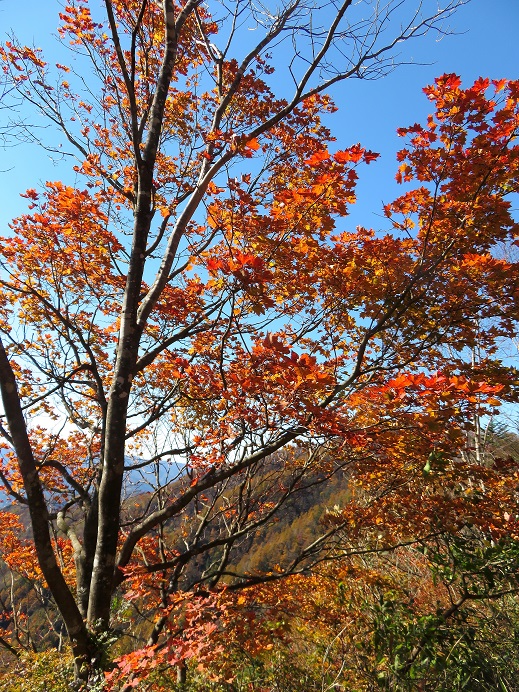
50 671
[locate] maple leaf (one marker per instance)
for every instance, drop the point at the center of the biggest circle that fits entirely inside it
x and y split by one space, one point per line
370 156
318 157
253 144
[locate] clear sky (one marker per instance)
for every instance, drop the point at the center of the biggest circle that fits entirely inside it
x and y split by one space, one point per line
486 44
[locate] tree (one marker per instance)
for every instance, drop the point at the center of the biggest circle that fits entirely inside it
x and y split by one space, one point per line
190 312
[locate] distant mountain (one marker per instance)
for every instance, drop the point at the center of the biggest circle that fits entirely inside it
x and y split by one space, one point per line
143 478
140 478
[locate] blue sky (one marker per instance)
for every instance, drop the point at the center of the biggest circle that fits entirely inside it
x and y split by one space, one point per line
486 44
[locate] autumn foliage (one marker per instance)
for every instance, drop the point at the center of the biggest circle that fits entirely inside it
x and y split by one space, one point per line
213 341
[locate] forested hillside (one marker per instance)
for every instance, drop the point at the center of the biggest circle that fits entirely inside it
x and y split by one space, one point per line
434 614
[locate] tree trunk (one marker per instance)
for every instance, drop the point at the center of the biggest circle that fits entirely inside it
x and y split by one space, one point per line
61 593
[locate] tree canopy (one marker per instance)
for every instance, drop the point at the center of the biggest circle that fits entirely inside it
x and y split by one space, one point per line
197 315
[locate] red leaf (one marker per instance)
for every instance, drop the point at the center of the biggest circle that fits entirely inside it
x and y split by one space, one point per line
318 157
